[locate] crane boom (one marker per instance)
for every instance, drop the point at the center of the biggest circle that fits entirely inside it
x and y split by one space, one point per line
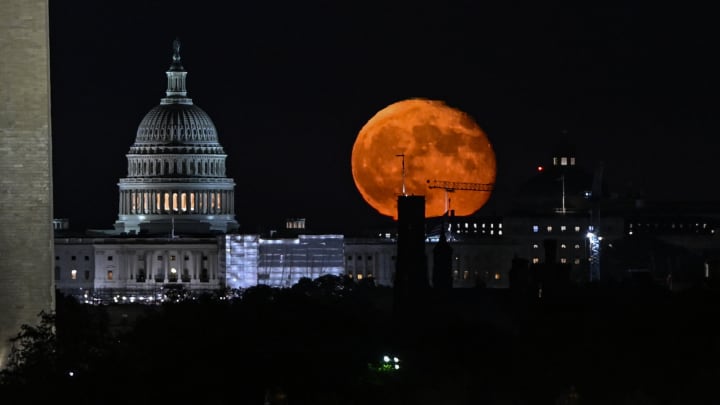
451 186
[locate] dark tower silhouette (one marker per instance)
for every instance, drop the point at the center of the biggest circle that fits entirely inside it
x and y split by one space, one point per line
442 264
411 281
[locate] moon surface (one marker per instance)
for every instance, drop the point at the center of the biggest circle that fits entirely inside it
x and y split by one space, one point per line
438 143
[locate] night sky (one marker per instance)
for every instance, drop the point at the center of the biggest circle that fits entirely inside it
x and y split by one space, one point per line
289 84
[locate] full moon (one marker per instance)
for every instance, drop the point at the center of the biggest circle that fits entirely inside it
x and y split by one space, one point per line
431 142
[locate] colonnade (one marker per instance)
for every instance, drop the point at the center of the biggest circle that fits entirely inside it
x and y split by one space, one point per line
160 202
144 167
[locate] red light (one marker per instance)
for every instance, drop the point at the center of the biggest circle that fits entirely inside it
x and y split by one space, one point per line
540 168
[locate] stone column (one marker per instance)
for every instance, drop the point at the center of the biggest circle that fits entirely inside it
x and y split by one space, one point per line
26 236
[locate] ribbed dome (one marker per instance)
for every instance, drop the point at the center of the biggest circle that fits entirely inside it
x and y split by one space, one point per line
176 124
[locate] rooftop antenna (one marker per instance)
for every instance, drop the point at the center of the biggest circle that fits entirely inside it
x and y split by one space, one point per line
402 155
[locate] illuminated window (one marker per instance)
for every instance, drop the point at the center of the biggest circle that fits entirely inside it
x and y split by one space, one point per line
157 202
359 276
500 232
466 274
183 202
563 260
572 161
73 274
110 275
536 260
218 201
577 228
167 201
492 232
497 276
577 246
563 228
174 201
549 228
192 202
555 161
563 161
535 228
562 246
535 246
500 226
576 261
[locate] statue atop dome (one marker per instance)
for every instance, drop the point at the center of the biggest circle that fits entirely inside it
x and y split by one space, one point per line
176 50
176 64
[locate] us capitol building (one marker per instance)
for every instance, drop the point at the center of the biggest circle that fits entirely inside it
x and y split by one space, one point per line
176 229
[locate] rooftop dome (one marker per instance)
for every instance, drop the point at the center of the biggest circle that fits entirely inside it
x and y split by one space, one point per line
176 177
176 124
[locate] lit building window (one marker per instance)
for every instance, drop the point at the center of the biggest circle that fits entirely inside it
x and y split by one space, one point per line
359 276
572 161
563 228
576 261
536 260
535 246
492 232
466 274
500 226
183 202
167 201
110 275
192 202
73 274
577 228
563 260
535 228
555 161
500 232
577 246
174 201
563 246
563 161
497 276
549 228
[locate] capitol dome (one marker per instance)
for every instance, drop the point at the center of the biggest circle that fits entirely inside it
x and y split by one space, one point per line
176 180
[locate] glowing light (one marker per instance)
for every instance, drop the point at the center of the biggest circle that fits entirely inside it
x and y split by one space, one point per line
540 168
386 359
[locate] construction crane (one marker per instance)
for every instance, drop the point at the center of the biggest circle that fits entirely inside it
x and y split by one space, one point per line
452 186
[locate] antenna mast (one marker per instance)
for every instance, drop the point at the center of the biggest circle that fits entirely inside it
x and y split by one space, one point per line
402 155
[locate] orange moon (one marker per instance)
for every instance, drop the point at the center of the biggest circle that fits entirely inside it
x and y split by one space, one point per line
438 143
